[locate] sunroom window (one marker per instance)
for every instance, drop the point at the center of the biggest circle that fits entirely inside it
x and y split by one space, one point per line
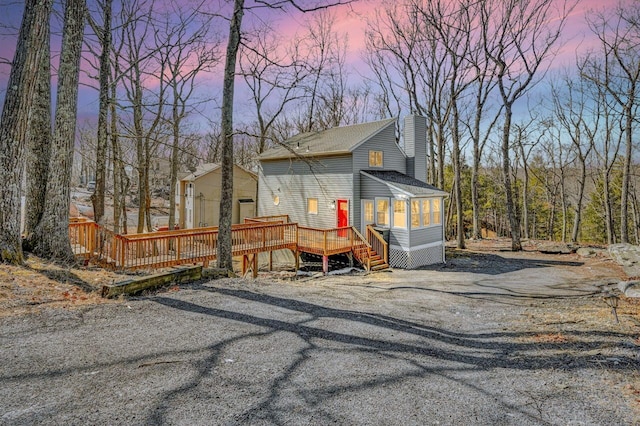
415 213
426 212
436 210
399 214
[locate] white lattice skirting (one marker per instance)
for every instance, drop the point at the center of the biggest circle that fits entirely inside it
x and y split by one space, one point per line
415 258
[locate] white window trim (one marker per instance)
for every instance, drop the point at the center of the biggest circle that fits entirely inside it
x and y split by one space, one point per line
364 223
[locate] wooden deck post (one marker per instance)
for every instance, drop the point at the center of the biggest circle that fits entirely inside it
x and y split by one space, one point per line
255 265
325 264
244 264
270 260
123 247
297 259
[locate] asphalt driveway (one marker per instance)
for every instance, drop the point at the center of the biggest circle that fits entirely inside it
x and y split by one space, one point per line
488 339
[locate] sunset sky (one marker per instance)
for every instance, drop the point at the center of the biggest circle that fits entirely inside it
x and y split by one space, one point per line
350 20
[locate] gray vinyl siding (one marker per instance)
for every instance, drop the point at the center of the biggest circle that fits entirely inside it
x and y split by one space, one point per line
393 159
422 236
294 181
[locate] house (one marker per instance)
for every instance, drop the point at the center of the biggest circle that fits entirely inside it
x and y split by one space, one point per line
199 196
357 176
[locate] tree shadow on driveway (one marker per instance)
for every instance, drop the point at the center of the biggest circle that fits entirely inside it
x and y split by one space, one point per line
493 264
433 352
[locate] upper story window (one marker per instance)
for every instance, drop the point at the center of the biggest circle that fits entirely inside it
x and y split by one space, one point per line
375 158
312 205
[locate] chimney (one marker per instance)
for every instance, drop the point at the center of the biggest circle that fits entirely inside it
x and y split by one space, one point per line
415 146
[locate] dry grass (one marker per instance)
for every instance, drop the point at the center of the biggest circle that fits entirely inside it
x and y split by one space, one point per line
39 284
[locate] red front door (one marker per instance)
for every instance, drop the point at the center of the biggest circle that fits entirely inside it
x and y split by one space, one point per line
343 215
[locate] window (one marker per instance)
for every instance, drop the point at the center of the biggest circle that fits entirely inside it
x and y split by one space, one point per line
367 211
436 210
415 213
276 200
426 212
382 211
375 158
399 214
312 205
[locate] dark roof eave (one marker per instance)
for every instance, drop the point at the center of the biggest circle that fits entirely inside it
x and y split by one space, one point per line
305 155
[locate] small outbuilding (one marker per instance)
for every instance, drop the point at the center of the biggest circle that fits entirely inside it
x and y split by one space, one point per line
199 196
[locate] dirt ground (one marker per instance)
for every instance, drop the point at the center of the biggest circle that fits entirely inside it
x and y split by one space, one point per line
490 337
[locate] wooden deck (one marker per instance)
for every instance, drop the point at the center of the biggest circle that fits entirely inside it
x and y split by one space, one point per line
199 245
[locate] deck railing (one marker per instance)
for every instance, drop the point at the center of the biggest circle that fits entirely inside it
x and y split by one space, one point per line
82 234
284 218
326 241
169 248
199 245
361 250
378 244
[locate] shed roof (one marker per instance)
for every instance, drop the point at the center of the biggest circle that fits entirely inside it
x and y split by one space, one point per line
338 140
202 169
206 168
405 184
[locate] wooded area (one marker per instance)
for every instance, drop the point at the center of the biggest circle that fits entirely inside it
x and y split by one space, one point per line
526 148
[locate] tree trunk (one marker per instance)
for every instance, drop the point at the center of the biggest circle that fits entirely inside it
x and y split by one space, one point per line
97 198
119 173
38 148
608 214
565 209
457 175
514 225
21 89
624 198
53 231
225 260
578 214
175 147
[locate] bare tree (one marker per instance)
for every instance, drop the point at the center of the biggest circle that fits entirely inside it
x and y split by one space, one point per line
233 45
618 31
38 147
52 233
185 46
519 39
573 112
14 122
104 36
273 80
140 62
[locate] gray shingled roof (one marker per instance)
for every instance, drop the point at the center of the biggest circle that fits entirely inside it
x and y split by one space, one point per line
339 140
404 182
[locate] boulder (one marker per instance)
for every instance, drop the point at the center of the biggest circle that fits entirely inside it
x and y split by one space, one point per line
627 256
630 288
556 248
589 251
